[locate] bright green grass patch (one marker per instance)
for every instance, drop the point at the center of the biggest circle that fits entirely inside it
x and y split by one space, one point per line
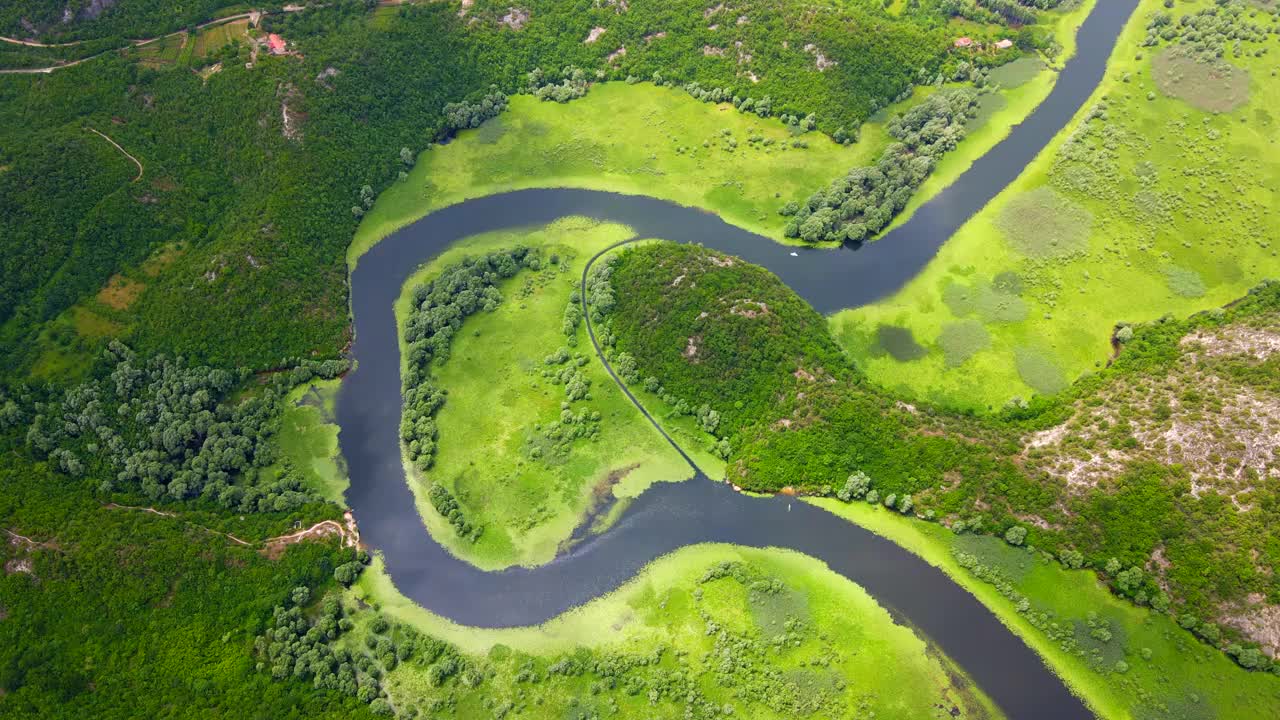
635 139
1167 673
495 455
1182 215
803 639
308 439
1017 73
213 39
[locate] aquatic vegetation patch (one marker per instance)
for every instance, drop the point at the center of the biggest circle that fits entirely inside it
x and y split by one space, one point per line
1184 281
962 340
1045 224
1017 73
899 343
988 105
1210 84
1038 370
1155 206
996 302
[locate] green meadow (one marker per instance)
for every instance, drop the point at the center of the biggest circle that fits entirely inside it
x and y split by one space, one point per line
634 139
750 633
503 467
641 139
308 439
1126 662
1145 205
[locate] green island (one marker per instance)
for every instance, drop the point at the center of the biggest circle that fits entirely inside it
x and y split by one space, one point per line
569 448
1071 411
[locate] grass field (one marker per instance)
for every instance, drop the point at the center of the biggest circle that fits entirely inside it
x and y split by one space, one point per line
647 140
635 139
308 439
1143 206
1167 672
530 503
211 40
800 640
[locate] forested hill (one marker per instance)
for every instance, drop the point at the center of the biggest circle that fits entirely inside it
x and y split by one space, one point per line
67 21
249 174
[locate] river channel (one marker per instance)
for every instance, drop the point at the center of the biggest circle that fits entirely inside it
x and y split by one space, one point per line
672 515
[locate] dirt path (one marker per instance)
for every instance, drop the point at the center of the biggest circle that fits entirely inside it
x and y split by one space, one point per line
131 43
273 547
33 43
253 16
17 539
114 506
349 535
116 145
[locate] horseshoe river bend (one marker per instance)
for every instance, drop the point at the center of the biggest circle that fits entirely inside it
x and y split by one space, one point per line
669 516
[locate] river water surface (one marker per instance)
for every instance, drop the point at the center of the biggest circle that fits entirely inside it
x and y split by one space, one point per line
672 515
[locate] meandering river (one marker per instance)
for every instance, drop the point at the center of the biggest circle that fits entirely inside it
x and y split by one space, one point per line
672 515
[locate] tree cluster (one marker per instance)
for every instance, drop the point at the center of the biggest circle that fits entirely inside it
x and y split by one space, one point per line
172 431
439 307
864 202
569 84
467 115
445 504
1018 12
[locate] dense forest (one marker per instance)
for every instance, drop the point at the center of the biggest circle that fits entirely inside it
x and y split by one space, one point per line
70 21
201 196
247 176
712 329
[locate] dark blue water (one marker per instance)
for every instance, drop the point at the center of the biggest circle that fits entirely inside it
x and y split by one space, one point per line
670 516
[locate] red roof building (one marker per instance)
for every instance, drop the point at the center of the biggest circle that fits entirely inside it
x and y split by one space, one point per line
275 44
1004 44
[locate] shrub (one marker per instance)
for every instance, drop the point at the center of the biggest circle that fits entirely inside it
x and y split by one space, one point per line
1015 535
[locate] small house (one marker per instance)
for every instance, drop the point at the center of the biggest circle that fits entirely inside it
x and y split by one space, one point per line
1004 44
964 42
275 44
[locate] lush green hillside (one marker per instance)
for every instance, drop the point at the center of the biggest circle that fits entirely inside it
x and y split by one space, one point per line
72 21
251 173
1158 472
120 613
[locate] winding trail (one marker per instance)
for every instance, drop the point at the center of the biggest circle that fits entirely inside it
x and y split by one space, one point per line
33 43
346 531
124 152
673 515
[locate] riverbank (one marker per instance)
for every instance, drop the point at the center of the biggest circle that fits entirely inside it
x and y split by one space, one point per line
308 439
640 139
1132 212
1024 84
1146 666
824 640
